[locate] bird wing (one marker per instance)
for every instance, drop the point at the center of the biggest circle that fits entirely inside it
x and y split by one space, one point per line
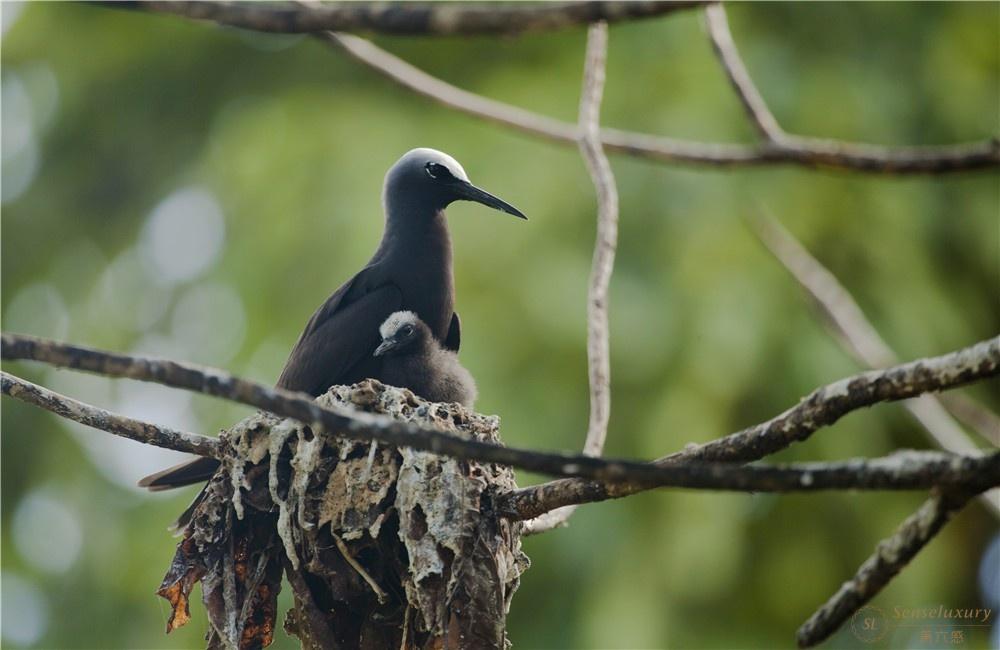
342 333
454 337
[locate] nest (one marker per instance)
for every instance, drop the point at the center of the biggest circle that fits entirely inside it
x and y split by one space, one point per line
382 547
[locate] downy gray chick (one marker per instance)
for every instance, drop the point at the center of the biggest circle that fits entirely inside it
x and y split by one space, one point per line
412 358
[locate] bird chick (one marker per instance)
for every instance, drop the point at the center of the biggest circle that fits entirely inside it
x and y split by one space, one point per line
412 358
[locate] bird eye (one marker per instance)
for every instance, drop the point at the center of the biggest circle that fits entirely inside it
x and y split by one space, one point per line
437 171
407 330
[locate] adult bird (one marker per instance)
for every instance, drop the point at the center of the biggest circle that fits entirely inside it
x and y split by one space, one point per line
413 359
411 270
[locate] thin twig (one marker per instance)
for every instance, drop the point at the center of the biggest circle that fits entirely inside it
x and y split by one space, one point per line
614 477
808 152
602 266
821 408
797 150
852 328
414 18
855 333
406 628
791 149
98 418
346 553
859 337
973 415
891 555
756 108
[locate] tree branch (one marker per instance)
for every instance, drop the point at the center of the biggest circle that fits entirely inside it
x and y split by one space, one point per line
904 470
717 465
855 332
859 337
821 408
808 152
602 266
614 477
756 108
891 555
973 415
789 149
120 425
414 18
852 329
907 470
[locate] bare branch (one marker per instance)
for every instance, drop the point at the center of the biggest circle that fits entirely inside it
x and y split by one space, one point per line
598 346
120 425
756 108
853 329
828 404
904 470
891 555
859 337
855 333
620 476
808 152
349 558
415 18
821 408
973 415
316 18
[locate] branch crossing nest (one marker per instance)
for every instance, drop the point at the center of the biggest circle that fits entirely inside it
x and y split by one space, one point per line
382 547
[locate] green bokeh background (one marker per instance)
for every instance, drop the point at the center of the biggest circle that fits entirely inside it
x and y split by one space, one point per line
709 334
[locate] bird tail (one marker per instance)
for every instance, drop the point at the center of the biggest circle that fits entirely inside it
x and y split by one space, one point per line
187 473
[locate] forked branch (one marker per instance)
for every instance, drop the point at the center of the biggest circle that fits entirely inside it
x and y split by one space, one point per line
610 478
819 409
717 465
807 152
856 334
756 108
323 21
598 343
862 341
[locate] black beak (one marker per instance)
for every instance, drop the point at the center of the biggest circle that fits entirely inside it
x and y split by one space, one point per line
469 192
384 347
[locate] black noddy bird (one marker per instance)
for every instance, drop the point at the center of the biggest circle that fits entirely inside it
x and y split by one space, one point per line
410 270
412 358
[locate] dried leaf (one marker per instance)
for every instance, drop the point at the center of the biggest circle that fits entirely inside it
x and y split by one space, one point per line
185 571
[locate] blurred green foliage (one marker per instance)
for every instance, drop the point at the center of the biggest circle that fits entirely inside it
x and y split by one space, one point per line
107 114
